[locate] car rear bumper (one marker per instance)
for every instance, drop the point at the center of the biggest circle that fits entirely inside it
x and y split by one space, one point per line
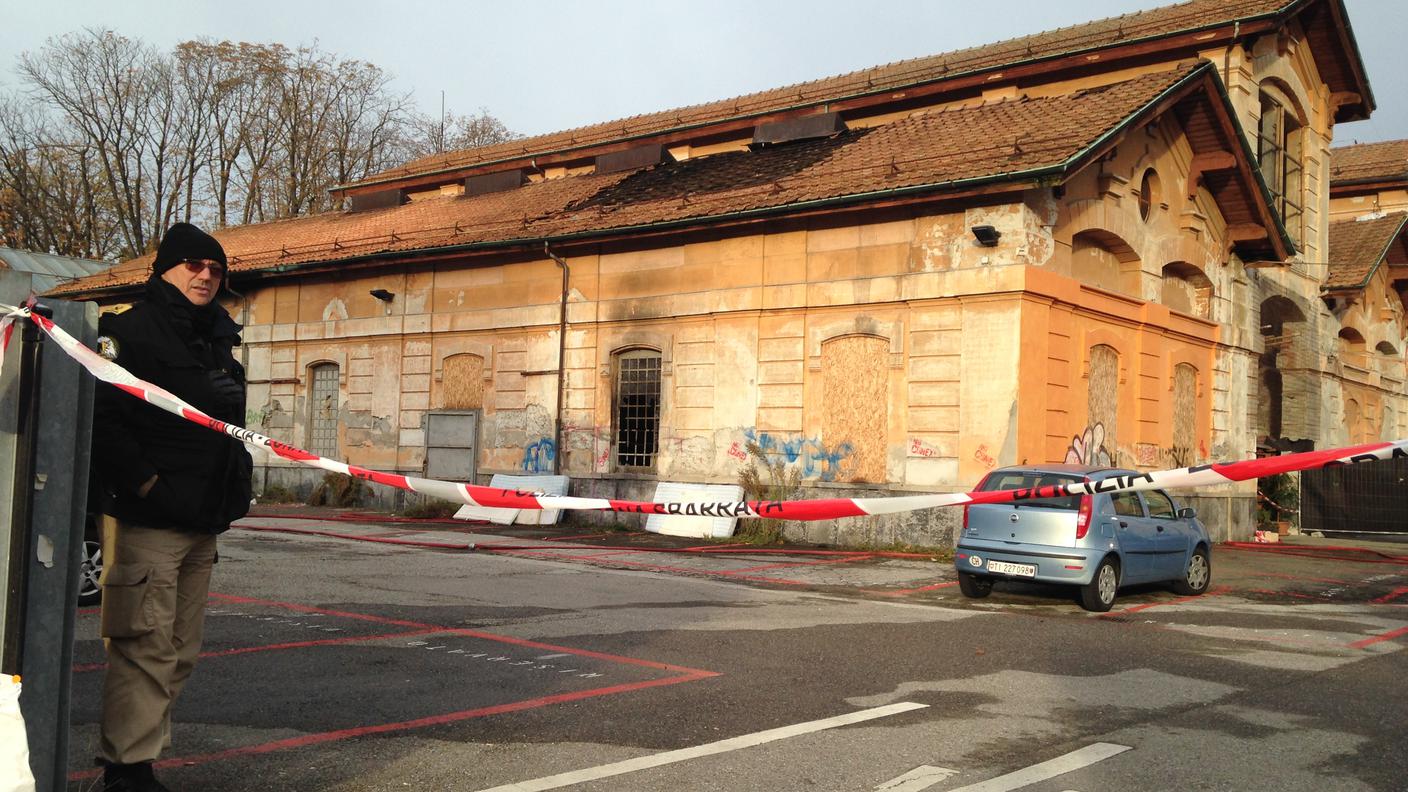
1071 565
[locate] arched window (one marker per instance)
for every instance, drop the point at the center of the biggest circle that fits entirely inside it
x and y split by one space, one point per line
1352 348
636 408
1279 151
1185 288
1102 259
322 410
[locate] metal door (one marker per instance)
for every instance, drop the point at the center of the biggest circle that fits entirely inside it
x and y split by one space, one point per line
451 445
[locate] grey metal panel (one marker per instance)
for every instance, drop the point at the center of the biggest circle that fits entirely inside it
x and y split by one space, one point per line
450 464
451 430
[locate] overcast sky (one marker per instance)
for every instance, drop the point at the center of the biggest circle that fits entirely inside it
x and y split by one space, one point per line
544 66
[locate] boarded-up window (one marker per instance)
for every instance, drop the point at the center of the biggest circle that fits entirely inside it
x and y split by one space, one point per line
1185 411
322 411
463 382
855 404
637 408
1103 396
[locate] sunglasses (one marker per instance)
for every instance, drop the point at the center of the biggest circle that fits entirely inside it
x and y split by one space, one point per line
194 267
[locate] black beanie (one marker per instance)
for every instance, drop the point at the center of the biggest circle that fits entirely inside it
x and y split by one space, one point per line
185 241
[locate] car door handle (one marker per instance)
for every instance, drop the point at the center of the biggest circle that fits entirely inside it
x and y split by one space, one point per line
1159 528
1124 524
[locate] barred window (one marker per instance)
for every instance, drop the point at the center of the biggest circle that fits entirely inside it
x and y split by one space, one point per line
637 408
322 411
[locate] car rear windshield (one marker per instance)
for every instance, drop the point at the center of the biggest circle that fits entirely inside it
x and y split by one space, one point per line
1025 479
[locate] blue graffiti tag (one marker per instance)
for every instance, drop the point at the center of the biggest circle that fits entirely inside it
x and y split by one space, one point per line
815 459
538 457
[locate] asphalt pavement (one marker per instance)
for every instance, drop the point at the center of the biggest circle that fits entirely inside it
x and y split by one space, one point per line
352 652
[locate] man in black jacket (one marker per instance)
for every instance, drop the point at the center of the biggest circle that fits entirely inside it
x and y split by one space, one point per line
169 486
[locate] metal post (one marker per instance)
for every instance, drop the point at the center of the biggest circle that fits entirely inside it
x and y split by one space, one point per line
26 419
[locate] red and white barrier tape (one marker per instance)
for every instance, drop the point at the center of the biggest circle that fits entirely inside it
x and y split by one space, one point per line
823 509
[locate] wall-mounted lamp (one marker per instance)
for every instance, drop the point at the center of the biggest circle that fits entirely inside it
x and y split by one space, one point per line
383 295
986 235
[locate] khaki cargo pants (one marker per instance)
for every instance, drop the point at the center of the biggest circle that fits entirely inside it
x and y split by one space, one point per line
155 584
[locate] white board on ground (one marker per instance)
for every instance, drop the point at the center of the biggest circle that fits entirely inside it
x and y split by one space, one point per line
552 485
699 527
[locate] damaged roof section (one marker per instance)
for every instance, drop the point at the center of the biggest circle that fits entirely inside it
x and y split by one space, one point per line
1001 147
1186 28
1359 247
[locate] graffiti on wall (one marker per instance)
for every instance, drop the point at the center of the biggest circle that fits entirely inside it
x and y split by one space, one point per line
1088 447
982 457
815 459
538 456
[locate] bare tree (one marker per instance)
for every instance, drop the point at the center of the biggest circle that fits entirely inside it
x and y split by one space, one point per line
429 135
113 141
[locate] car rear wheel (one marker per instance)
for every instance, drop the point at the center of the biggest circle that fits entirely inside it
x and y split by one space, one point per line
1099 594
974 587
1196 578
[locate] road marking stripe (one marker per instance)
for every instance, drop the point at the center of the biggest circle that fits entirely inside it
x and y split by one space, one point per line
1074 760
917 780
708 749
1388 636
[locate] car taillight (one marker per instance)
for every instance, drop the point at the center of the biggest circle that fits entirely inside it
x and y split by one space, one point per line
1083 516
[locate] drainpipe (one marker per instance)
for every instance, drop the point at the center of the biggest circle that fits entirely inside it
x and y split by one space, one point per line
561 360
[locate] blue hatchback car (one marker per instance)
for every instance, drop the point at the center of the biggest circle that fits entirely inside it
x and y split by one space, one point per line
1096 543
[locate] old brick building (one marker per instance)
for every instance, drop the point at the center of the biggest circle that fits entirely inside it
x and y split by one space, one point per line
1108 242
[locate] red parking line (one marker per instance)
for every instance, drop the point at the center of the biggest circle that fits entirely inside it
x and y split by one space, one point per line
1388 636
433 720
661 567
473 634
79 669
1285 576
1148 605
787 564
1393 595
1274 593
902 592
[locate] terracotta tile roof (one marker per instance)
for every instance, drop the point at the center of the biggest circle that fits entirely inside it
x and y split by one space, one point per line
1357 247
931 152
1387 161
1153 23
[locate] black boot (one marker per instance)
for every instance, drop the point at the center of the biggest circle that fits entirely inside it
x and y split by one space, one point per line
131 778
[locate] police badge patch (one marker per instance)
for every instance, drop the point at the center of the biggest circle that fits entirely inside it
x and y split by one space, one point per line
107 347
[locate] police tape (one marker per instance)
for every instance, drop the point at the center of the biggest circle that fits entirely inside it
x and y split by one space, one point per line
1208 475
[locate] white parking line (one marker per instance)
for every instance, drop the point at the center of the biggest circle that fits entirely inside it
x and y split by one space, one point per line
917 780
708 749
1065 763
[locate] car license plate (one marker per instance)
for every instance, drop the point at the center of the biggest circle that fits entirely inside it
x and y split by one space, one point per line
1020 570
